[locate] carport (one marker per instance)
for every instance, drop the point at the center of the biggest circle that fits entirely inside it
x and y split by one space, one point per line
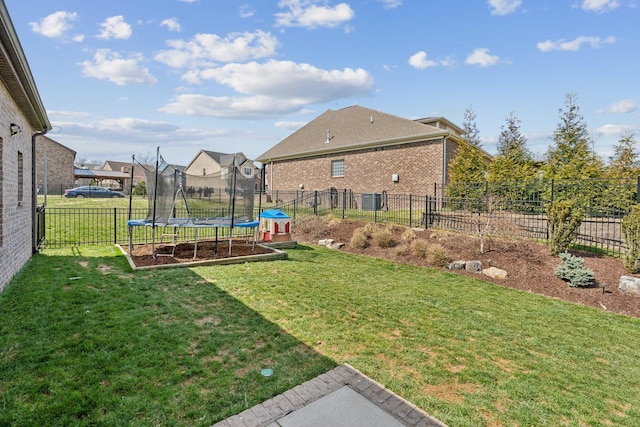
99 177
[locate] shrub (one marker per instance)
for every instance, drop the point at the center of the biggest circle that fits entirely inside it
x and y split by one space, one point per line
437 256
359 239
368 229
409 235
564 221
631 231
574 271
140 189
403 250
420 248
384 238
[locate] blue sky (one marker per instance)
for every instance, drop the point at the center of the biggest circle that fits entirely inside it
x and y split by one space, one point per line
123 77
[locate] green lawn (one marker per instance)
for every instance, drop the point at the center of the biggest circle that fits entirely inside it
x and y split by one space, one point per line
83 341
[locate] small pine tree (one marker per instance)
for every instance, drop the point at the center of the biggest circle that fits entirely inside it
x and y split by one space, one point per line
470 163
513 162
574 271
624 163
631 232
564 219
571 155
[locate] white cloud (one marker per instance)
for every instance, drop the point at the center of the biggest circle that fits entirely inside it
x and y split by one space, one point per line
620 107
287 80
54 25
575 44
307 14
614 130
208 49
246 11
271 89
172 24
115 28
290 126
420 61
391 4
250 107
129 124
108 65
481 57
503 7
600 6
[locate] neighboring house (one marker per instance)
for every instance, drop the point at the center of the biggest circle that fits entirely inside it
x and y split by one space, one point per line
22 119
55 162
207 163
124 168
364 150
111 179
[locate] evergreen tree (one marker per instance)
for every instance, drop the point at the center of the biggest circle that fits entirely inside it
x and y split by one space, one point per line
470 162
624 163
571 156
471 132
513 162
469 166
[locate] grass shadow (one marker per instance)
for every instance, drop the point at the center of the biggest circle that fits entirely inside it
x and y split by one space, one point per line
85 341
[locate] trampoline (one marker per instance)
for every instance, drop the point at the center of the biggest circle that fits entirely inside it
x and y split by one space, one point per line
171 215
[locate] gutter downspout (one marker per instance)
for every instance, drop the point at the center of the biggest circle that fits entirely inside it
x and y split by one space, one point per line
34 191
444 161
271 179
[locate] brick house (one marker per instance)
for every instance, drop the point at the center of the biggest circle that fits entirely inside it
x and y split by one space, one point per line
210 162
57 162
363 150
22 120
124 168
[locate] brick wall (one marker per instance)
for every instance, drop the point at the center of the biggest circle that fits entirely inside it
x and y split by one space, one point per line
59 165
16 219
418 165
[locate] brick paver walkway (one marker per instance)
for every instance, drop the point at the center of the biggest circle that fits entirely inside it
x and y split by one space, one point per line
267 414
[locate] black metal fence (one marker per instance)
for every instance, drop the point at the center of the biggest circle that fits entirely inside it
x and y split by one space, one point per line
508 210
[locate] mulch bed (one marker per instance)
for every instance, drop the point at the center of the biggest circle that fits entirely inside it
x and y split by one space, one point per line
207 250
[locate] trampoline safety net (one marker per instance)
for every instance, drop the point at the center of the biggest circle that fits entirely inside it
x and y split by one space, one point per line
225 195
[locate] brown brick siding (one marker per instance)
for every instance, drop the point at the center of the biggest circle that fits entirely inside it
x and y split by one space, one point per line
59 165
418 165
15 221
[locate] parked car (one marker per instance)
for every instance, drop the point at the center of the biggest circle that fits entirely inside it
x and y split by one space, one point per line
92 191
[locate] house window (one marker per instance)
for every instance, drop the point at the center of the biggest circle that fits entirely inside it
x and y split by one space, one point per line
337 168
248 171
20 177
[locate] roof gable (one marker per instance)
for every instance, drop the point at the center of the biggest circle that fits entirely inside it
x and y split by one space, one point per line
350 127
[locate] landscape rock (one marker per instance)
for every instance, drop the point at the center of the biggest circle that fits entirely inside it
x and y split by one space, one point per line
457 265
335 245
495 273
475 266
326 242
629 285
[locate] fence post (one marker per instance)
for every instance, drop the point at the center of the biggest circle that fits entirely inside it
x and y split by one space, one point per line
425 216
344 201
551 202
115 226
315 203
295 201
410 211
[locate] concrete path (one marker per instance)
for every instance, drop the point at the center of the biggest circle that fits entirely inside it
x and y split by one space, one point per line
339 398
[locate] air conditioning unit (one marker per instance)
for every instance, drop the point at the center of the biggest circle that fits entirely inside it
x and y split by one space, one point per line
371 201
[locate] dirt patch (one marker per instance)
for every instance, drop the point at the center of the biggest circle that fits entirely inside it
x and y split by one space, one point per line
184 252
530 266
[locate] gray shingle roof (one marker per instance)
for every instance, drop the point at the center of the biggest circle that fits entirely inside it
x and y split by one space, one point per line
349 128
